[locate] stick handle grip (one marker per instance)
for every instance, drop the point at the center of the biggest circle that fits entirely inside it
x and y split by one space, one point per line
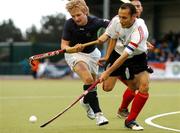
57 52
91 43
73 50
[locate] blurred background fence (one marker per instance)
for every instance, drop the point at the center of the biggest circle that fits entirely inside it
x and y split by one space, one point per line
161 16
14 56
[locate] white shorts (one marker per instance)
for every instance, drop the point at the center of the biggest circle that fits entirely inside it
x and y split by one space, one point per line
89 58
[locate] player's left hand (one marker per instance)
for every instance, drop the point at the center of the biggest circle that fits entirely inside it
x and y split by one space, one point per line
149 45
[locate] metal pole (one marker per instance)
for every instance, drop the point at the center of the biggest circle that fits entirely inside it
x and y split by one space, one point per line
106 4
106 7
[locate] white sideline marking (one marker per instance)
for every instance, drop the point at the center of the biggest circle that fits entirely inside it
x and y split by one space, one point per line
33 97
70 96
149 121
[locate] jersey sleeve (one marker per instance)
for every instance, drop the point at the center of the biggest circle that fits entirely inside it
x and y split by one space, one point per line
135 39
66 35
111 29
104 22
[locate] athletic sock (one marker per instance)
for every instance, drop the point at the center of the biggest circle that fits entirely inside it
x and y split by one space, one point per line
128 96
92 99
137 104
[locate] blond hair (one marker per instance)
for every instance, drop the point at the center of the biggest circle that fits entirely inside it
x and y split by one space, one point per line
81 4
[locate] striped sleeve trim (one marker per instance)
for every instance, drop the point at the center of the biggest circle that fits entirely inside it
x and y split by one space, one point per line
134 45
141 32
130 48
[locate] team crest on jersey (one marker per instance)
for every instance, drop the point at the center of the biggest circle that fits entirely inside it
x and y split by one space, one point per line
81 29
122 40
88 34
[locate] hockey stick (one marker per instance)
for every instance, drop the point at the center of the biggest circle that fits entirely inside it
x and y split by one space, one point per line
72 104
57 52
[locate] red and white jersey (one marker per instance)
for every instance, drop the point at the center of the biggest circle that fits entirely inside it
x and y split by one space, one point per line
132 40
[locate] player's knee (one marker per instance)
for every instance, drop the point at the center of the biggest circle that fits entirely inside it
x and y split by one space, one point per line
107 88
144 87
88 80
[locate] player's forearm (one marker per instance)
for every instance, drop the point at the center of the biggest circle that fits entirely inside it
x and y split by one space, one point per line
111 45
103 38
64 44
118 62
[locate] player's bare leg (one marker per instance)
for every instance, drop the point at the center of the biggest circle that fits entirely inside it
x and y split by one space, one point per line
109 84
142 81
90 100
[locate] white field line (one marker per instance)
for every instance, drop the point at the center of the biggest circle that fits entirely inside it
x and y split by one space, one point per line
33 97
71 96
149 121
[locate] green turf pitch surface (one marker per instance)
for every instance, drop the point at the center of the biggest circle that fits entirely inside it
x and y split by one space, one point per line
19 99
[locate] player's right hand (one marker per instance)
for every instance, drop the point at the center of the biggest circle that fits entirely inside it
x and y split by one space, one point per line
104 76
75 49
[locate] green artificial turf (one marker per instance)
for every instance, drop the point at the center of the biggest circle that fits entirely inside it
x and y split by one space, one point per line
19 99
